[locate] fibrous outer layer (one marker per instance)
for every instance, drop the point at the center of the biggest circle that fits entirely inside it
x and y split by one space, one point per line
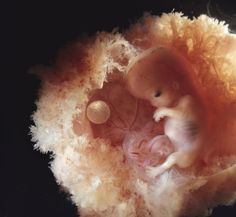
89 160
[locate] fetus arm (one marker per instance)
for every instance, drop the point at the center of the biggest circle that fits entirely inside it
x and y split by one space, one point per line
166 112
177 112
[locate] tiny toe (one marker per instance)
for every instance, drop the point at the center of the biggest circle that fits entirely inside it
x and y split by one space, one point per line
150 172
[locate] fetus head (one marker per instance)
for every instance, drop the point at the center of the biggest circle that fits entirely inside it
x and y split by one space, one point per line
158 76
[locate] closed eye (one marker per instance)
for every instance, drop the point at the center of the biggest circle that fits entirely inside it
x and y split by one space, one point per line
158 93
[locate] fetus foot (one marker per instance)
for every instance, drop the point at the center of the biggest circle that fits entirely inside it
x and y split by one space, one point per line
181 159
152 172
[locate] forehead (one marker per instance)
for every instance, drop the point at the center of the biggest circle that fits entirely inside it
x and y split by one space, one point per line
142 79
148 71
158 66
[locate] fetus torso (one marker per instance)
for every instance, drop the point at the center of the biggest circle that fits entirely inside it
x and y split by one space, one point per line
184 128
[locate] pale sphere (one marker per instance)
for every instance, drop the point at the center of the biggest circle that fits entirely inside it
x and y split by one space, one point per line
98 112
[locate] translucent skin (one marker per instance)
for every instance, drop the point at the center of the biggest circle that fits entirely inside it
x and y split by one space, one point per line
159 77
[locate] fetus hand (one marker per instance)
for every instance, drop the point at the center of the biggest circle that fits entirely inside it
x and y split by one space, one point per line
159 114
165 112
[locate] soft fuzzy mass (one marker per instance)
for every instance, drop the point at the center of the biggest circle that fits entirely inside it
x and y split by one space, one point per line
105 132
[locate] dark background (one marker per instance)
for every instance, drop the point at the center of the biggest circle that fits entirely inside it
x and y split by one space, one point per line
35 30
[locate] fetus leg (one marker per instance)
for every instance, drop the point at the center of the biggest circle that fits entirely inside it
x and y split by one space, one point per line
181 159
161 145
146 153
158 149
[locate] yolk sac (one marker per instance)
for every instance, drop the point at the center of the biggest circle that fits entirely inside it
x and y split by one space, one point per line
98 112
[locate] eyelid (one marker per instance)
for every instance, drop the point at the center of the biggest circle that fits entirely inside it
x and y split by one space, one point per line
158 93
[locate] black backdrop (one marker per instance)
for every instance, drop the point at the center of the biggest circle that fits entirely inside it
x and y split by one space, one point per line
35 32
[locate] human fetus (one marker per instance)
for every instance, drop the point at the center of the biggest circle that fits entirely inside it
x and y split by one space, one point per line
160 76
